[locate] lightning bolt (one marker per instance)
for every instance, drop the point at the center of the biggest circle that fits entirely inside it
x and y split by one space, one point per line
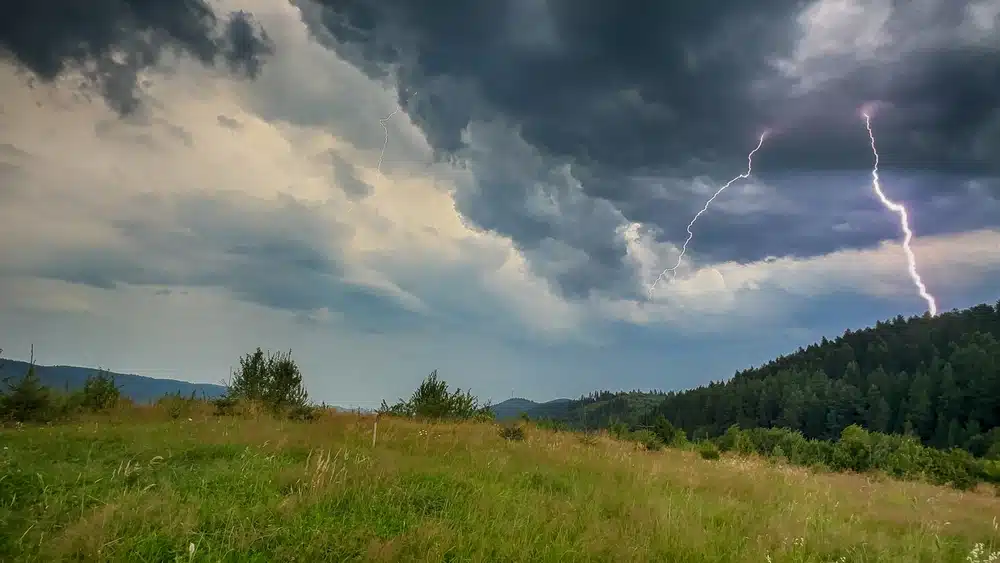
708 203
904 223
385 143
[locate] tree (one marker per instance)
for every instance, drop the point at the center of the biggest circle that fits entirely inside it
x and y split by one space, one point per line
272 379
934 378
666 431
432 400
26 400
284 382
250 382
919 409
100 392
878 413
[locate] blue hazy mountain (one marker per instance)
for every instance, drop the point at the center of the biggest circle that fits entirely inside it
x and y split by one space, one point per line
139 388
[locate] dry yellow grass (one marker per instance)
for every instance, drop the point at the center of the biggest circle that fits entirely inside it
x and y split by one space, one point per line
138 486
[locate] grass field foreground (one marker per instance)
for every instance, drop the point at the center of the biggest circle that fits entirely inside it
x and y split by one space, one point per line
142 487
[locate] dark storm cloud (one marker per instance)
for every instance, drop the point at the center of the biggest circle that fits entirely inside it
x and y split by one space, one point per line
666 85
841 211
676 90
262 255
571 236
112 41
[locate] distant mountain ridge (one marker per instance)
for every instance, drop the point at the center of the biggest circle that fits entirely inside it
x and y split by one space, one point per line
512 408
139 388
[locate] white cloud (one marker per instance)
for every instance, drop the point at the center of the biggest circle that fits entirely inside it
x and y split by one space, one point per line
750 291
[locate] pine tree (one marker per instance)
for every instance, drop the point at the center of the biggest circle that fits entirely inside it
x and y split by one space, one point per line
26 400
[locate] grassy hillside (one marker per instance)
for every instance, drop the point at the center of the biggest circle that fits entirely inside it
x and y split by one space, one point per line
138 486
139 388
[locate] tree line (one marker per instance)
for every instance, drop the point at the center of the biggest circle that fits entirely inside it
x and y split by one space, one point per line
936 379
263 383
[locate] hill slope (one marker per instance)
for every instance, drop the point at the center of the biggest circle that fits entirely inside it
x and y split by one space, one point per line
936 378
512 408
225 489
139 388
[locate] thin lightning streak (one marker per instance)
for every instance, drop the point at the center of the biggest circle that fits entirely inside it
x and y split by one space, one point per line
386 142
904 222
743 176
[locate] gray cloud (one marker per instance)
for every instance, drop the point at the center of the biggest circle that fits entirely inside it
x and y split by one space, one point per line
263 255
568 236
676 91
112 41
346 177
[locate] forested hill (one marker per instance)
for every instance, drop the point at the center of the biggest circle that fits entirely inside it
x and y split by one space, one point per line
934 377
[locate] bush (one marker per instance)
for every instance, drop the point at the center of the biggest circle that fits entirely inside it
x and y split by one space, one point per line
303 413
649 439
512 432
668 433
902 457
988 470
274 380
707 450
853 451
432 400
733 440
485 414
100 392
618 430
176 404
553 425
225 406
955 467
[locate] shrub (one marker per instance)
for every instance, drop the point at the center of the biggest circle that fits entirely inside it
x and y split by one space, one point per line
484 414
225 406
554 425
618 430
853 451
512 432
176 404
988 470
956 467
432 400
668 433
100 392
707 450
274 380
649 439
732 440
303 413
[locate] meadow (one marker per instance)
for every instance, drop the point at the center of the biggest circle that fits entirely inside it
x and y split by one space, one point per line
145 484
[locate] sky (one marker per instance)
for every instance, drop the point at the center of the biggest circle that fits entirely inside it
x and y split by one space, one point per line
182 182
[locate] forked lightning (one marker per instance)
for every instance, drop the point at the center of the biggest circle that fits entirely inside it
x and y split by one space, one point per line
385 143
743 176
904 223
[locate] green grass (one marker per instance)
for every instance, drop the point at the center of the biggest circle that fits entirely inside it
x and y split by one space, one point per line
229 489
